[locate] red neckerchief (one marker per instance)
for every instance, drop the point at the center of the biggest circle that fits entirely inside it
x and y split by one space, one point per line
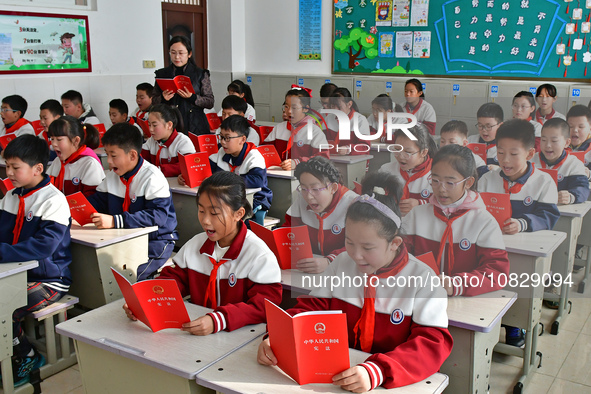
20 216
210 293
127 183
543 118
555 166
303 122
17 125
59 180
331 207
416 108
140 114
516 188
247 148
167 144
447 236
420 171
365 326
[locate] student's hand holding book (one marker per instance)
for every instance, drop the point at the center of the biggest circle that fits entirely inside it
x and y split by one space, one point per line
286 165
168 95
129 313
101 220
511 227
181 180
355 379
314 265
265 355
200 326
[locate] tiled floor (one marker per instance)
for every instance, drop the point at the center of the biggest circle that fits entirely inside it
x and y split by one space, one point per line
566 364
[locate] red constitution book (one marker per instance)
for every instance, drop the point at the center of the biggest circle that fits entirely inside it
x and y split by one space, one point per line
311 347
553 174
80 208
478 149
37 126
180 82
156 302
270 154
195 168
101 130
499 205
6 186
214 121
429 259
5 139
289 244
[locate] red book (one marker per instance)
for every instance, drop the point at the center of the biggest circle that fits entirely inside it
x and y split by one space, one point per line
156 302
429 259
289 244
553 174
214 121
80 208
180 82
478 149
195 168
357 188
270 154
264 132
37 126
579 155
43 135
499 205
5 139
6 186
311 347
144 126
208 143
101 130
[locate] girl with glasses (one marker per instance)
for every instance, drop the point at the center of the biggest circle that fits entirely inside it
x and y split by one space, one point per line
524 107
464 237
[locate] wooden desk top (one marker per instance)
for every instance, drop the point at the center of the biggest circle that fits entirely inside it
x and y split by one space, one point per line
538 244
350 159
170 350
173 183
480 313
239 372
8 269
575 210
98 238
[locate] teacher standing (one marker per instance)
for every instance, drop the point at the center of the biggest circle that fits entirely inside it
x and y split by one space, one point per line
190 105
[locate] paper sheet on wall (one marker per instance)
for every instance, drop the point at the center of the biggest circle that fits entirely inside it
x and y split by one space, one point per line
5 48
422 44
401 13
384 13
419 13
386 45
404 43
310 30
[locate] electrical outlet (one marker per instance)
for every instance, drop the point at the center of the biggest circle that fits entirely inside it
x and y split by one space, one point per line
149 63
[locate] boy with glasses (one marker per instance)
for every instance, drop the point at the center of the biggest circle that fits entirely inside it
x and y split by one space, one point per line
489 118
12 112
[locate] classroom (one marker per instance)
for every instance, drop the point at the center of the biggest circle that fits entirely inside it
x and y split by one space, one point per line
347 195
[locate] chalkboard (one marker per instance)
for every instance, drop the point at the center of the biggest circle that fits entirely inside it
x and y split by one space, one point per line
542 39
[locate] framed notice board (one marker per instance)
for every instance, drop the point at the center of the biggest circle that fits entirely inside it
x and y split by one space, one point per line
542 39
36 43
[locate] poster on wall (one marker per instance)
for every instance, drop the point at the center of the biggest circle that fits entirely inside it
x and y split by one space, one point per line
35 43
310 30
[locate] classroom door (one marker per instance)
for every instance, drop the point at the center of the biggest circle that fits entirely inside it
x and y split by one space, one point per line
186 20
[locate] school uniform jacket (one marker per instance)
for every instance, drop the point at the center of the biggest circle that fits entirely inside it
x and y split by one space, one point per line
491 148
169 151
333 221
541 119
419 189
425 114
478 247
253 136
571 175
249 275
151 203
332 132
374 126
45 234
302 147
481 166
250 113
83 174
18 128
535 204
537 133
250 165
143 115
88 116
584 147
411 339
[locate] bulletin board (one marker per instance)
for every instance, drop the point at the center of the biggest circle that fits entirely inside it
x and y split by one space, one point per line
37 43
542 39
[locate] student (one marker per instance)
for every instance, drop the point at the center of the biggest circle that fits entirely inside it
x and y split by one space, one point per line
243 158
241 90
455 132
342 100
546 97
12 112
143 99
416 104
75 106
489 118
326 92
167 140
457 216
524 106
383 104
320 203
34 225
49 111
234 105
573 182
407 346
291 137
118 113
78 168
579 121
413 166
135 194
226 260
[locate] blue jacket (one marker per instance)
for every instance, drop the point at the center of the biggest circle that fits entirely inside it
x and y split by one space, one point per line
571 175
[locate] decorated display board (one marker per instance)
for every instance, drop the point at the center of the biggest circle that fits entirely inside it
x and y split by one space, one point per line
464 38
33 43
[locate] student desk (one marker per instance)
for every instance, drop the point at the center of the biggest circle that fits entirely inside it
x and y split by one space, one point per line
13 295
95 251
352 168
570 222
474 323
117 355
184 200
529 253
585 240
100 152
381 156
240 372
283 184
